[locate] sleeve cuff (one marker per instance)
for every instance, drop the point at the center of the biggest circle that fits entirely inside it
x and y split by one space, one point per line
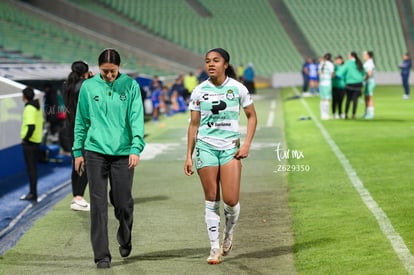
77 153
135 151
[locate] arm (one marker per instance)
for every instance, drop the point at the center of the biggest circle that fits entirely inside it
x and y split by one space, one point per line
191 139
136 122
29 133
82 123
250 112
368 74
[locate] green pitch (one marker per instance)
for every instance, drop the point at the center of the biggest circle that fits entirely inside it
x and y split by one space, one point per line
169 234
334 231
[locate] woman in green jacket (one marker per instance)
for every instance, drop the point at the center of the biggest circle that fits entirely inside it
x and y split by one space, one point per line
353 74
109 126
338 89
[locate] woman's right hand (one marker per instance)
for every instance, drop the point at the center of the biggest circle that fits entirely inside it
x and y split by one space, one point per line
79 164
188 167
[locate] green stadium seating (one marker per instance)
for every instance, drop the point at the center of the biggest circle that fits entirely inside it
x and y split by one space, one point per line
249 30
32 36
353 25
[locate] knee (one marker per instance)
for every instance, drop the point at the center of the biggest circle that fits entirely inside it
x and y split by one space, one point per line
231 202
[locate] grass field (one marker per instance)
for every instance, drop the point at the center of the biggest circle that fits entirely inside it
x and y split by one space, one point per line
169 235
334 232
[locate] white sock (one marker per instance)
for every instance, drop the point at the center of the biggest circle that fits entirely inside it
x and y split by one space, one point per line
326 108
321 107
232 216
370 110
212 217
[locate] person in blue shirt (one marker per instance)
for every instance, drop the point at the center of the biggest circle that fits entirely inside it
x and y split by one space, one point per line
405 67
313 77
248 78
157 101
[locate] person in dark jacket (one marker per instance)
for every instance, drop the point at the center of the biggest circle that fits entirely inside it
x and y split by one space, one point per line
31 135
80 72
405 67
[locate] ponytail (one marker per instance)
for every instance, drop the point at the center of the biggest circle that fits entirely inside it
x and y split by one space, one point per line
358 61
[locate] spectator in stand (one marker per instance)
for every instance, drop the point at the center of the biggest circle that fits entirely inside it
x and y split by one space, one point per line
178 86
326 72
157 99
369 68
405 67
338 89
240 71
31 135
353 74
154 84
202 75
248 78
178 104
190 82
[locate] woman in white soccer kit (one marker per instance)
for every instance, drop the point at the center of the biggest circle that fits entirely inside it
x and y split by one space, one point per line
213 134
326 72
369 67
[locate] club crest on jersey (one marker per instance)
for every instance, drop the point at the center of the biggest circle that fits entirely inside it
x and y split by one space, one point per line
230 95
122 96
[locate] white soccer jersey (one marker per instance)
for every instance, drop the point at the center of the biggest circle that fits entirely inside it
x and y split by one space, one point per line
219 108
370 66
325 70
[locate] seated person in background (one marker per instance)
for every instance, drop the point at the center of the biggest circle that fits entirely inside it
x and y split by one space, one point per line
178 103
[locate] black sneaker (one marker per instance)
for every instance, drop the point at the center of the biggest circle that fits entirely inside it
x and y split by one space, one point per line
103 264
125 250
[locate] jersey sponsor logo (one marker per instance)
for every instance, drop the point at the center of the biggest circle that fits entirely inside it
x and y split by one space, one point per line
96 98
218 106
211 96
212 228
218 124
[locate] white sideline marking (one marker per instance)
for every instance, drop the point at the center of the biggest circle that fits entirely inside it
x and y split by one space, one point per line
152 150
271 116
385 224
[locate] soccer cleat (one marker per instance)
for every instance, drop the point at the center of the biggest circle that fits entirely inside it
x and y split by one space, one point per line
214 257
227 245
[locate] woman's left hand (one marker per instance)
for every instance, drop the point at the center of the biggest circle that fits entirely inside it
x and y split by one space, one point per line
242 153
133 161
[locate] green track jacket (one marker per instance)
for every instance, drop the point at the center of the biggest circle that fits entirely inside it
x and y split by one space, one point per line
109 117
